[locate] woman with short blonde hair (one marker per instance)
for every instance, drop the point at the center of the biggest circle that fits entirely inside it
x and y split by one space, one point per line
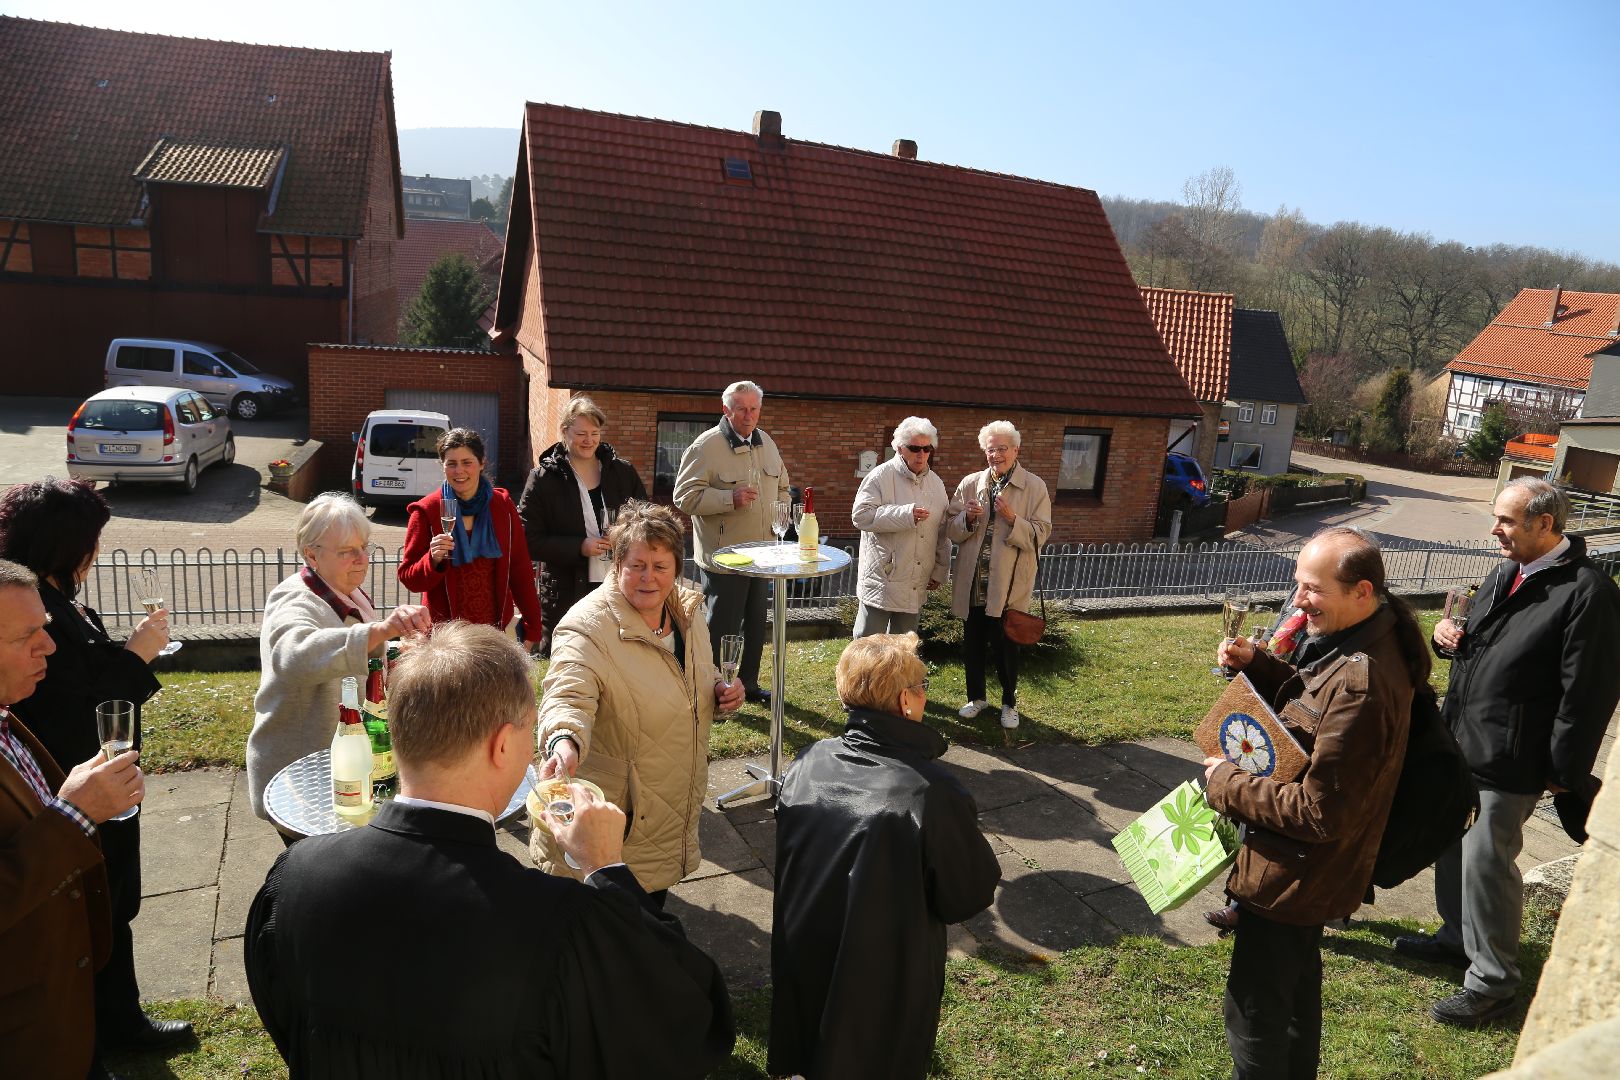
877 849
568 503
901 509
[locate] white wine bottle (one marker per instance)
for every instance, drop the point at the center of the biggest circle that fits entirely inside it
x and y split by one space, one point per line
351 756
809 531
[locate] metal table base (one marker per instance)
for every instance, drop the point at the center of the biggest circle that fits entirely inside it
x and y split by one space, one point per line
780 563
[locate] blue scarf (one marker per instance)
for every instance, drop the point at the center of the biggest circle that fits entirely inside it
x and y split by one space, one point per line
481 542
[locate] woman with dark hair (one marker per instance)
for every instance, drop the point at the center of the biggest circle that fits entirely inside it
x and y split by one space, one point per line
478 569
53 527
567 506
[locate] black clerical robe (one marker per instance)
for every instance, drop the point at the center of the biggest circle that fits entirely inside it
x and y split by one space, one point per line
415 947
877 849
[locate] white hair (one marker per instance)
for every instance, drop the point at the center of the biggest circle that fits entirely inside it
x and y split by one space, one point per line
910 428
332 514
742 387
1000 427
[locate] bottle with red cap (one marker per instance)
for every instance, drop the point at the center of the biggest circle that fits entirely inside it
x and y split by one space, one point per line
809 531
1286 637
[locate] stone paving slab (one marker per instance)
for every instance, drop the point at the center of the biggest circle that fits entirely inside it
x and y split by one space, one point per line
180 849
174 943
1034 915
230 976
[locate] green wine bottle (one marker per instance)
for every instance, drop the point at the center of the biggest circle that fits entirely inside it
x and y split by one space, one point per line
374 713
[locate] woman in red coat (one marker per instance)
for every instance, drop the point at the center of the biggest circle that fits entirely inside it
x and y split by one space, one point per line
478 570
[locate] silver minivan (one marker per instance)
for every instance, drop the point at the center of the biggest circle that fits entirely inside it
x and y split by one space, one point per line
146 434
396 456
232 383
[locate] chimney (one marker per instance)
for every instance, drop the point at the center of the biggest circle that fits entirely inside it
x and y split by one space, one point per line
905 149
768 129
1552 315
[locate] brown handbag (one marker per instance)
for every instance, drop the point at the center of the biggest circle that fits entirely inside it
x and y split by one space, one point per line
1020 627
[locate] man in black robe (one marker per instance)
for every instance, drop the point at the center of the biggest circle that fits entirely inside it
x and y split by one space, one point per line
414 947
878 848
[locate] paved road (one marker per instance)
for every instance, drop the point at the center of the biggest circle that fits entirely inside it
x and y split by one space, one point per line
1413 505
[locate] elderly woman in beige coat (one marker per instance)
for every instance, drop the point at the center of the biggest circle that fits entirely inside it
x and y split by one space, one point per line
629 699
900 510
1006 516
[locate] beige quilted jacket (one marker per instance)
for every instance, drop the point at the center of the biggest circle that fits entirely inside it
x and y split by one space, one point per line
641 723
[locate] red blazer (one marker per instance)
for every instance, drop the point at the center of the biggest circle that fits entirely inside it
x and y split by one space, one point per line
514 575
55 928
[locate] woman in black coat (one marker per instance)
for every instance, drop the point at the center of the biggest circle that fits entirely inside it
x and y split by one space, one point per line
53 527
565 506
877 850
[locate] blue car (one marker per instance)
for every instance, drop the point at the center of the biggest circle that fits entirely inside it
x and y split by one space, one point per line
1184 477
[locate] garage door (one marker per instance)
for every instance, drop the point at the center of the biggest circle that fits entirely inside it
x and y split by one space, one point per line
1590 470
481 412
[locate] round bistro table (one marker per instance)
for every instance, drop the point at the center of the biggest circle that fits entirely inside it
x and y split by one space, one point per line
299 798
780 562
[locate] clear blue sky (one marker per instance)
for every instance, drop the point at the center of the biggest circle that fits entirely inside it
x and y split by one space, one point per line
1477 121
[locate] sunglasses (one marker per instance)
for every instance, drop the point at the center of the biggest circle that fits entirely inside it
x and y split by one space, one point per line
920 449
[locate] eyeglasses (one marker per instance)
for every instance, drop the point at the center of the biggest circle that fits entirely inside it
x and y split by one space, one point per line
365 553
920 449
996 451
923 686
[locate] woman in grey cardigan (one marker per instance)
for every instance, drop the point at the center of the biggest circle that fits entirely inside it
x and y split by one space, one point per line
319 625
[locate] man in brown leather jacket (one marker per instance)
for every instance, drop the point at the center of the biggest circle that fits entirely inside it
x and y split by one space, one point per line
1308 851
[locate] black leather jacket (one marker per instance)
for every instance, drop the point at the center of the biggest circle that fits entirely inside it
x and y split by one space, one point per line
1535 679
877 849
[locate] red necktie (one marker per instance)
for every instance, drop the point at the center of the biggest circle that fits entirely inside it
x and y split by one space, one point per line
1517 581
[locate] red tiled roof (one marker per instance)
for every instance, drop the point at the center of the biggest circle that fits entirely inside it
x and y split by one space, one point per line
1518 344
80 108
1197 329
427 240
211 165
830 273
1529 451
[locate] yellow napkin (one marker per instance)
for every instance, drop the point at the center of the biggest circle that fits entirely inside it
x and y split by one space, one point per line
734 558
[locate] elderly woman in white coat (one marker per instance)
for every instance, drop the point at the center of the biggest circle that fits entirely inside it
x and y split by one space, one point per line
905 554
1006 516
319 625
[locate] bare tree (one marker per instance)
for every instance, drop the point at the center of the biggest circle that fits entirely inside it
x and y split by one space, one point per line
1214 202
1424 292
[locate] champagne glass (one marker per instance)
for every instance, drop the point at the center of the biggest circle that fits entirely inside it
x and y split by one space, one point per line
447 516
1458 601
151 598
610 514
1234 613
731 650
781 518
115 727
1260 634
796 514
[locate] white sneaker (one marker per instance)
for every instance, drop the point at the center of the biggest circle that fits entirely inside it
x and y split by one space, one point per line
972 709
1009 716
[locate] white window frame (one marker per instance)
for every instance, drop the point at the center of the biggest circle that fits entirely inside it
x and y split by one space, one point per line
1245 412
1268 414
1260 455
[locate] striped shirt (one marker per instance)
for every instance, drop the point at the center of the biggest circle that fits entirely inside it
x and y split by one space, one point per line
16 752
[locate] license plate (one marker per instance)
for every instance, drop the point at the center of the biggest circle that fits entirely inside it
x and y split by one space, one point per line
387 482
120 448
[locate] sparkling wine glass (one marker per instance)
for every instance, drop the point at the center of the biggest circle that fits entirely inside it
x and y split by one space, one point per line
796 514
1234 613
781 518
447 516
610 514
150 588
731 650
1458 601
115 727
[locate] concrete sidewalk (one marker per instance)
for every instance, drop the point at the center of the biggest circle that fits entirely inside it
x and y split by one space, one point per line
1049 809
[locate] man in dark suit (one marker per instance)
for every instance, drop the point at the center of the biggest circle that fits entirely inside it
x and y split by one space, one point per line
1533 685
55 924
414 947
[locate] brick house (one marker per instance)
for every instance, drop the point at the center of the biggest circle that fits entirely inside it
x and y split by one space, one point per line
162 186
1536 354
427 240
650 263
437 198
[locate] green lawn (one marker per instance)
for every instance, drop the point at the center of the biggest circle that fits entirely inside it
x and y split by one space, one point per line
1137 1007
1113 679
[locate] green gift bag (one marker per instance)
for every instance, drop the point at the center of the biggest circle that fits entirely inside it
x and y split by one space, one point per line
1176 848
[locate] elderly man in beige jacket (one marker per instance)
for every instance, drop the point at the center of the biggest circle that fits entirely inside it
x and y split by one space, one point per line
905 554
1006 517
730 479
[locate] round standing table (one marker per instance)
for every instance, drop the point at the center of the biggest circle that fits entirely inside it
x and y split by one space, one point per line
299 798
780 562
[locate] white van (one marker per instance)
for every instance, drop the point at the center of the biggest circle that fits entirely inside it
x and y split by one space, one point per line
396 457
229 382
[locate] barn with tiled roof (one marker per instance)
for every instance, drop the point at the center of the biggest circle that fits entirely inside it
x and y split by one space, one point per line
650 263
175 187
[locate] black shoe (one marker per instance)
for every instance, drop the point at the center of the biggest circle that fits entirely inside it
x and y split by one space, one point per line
759 694
148 1034
1223 919
1470 1009
1424 947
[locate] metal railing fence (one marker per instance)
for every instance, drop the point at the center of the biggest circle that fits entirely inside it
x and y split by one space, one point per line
229 587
